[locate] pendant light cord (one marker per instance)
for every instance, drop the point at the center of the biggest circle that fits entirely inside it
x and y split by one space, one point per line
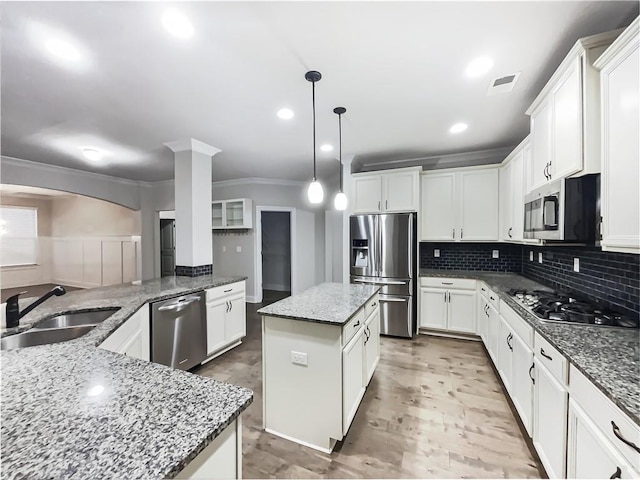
340 140
313 101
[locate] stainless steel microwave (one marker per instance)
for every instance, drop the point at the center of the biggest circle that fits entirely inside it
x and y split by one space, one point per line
564 210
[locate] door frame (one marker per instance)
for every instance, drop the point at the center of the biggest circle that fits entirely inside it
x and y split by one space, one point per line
258 250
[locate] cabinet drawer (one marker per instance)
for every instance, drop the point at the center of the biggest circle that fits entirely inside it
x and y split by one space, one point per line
224 290
517 324
548 356
352 326
370 306
458 283
604 414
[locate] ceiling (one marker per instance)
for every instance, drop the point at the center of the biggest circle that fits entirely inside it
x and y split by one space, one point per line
398 68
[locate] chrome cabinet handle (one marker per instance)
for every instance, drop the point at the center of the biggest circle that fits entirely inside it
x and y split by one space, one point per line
461 234
617 473
533 380
447 283
453 234
616 432
227 291
509 232
357 324
492 298
378 204
550 176
386 204
545 355
445 297
373 305
509 337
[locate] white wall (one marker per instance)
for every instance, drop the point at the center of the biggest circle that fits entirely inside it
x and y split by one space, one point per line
85 216
276 251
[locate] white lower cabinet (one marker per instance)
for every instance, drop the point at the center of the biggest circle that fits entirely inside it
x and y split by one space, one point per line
450 307
226 317
371 344
590 455
133 337
505 353
353 386
493 329
522 381
550 420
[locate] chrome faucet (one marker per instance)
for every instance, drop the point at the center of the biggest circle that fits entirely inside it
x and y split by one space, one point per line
13 309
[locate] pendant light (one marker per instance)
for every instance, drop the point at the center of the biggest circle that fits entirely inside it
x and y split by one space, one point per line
315 191
340 202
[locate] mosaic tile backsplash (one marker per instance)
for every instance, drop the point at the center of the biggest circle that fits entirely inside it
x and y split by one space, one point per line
611 279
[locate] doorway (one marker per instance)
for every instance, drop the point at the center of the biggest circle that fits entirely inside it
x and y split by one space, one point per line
167 247
275 243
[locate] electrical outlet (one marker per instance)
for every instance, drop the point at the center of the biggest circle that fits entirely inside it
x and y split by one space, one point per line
531 255
238 249
436 253
495 254
576 264
539 257
299 358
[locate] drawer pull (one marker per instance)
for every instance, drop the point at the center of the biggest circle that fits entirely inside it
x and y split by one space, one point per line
533 380
617 474
616 432
482 288
509 337
447 283
227 291
492 298
545 355
373 305
357 324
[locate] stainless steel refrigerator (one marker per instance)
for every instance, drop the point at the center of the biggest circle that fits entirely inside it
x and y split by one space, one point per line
383 253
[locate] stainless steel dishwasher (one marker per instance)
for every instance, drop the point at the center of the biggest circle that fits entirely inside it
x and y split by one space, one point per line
179 331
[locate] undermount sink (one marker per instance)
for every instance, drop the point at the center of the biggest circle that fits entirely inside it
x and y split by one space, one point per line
76 319
35 337
57 329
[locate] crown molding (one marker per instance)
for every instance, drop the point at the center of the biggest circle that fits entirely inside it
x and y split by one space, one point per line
191 144
259 181
20 162
629 35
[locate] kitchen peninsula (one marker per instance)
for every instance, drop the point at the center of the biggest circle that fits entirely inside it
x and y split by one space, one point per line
72 409
320 349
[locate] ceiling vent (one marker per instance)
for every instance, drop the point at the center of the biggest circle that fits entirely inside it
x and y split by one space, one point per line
502 84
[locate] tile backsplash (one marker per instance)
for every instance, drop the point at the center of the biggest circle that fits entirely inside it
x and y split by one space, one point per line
611 279
471 256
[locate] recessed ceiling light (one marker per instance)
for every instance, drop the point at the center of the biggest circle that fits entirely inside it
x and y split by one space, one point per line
458 127
326 147
95 390
285 114
479 67
63 49
92 154
177 24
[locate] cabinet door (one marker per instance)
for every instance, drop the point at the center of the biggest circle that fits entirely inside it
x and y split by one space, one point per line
505 354
462 310
438 207
482 319
216 319
506 201
372 344
352 378
550 421
522 382
133 337
235 323
516 233
567 124
541 146
134 346
589 454
400 192
433 307
367 193
493 332
479 209
621 152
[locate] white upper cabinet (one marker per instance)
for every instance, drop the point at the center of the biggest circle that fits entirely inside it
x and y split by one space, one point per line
232 214
386 192
620 85
460 205
565 117
438 207
512 188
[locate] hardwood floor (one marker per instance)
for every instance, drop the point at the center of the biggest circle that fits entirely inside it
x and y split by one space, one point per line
434 409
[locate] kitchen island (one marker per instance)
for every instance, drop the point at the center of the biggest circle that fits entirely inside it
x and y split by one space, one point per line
319 351
74 410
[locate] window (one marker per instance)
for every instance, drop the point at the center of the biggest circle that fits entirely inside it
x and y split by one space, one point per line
18 236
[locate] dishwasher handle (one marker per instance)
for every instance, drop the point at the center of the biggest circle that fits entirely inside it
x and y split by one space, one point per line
183 302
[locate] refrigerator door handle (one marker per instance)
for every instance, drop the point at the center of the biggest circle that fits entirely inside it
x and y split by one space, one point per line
403 300
379 282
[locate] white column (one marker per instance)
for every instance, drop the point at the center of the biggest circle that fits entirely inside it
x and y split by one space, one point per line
194 250
346 187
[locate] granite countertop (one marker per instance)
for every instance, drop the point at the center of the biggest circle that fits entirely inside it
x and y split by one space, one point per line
73 410
608 356
332 303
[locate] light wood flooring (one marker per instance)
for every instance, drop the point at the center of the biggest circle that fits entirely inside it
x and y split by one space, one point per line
434 409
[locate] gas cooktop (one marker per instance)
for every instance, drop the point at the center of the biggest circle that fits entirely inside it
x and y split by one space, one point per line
562 307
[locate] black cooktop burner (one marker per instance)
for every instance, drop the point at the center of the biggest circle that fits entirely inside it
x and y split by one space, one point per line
562 307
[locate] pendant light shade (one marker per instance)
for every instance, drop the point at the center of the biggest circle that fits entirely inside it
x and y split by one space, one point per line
315 192
341 201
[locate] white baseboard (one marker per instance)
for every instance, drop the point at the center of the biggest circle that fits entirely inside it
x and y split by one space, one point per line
301 442
73 284
439 333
